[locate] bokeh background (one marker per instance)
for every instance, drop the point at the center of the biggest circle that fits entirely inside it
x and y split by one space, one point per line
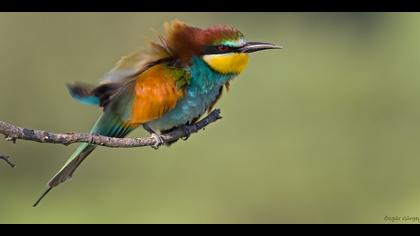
326 130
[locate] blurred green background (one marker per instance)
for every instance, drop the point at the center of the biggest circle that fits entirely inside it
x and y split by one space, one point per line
326 130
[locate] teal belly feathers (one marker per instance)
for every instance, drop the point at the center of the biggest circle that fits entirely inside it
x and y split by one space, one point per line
203 90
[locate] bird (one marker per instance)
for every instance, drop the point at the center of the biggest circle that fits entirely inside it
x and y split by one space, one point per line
179 78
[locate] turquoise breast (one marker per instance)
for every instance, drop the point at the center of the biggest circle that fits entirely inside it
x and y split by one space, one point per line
201 92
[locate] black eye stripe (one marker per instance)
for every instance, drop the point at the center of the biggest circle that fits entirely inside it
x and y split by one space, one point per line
215 49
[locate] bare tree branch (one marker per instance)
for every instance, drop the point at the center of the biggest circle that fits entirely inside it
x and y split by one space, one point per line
7 160
13 133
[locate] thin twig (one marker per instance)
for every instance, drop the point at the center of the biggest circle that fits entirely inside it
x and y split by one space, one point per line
7 160
14 133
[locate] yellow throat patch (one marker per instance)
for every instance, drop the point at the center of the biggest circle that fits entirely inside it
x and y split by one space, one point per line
227 63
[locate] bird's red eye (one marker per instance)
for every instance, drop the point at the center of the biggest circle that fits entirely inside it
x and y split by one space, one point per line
222 48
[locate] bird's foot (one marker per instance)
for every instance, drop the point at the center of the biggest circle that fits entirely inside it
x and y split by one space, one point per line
187 132
158 141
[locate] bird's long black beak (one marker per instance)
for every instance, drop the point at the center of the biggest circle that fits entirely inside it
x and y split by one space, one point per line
256 46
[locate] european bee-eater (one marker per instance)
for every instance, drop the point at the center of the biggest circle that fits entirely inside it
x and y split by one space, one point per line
180 78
